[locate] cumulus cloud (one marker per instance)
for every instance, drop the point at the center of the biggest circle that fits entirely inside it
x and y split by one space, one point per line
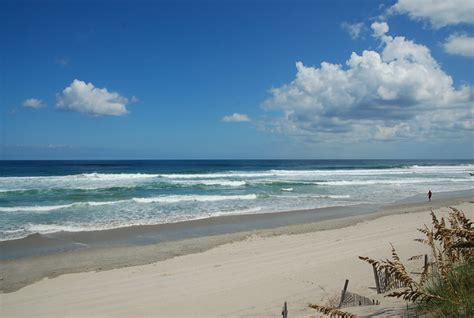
235 118
379 28
33 103
460 45
86 98
439 13
355 30
400 92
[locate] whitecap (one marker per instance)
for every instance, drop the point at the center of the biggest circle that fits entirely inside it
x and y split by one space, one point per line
198 198
45 208
217 182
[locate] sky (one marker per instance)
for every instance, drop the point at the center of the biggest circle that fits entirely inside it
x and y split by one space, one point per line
237 79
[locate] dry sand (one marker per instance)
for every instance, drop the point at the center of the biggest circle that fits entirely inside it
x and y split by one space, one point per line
246 278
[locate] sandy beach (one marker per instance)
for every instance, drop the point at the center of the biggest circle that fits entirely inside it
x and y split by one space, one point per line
245 274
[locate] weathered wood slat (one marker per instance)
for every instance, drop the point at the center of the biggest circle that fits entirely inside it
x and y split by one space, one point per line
284 312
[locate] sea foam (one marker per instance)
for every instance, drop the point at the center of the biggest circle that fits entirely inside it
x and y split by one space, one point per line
198 198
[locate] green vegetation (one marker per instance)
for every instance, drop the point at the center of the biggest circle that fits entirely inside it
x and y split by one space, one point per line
445 287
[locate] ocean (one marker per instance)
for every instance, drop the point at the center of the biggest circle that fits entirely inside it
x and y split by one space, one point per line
52 196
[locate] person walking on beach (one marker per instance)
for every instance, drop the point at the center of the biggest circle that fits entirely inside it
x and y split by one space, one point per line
429 195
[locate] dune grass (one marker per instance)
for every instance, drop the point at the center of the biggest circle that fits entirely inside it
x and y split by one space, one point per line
445 287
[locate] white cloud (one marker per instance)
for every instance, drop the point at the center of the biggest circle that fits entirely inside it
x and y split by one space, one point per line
400 92
355 30
460 45
235 118
439 13
85 98
33 103
379 28
134 100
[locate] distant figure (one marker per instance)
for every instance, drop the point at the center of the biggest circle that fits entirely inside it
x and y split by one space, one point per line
429 195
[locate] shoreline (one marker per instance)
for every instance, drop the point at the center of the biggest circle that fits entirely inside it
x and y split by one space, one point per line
138 235
106 250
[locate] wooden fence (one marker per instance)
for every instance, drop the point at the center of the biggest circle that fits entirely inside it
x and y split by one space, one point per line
349 299
384 281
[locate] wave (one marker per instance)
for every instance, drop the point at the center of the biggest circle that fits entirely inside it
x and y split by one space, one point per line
224 183
198 198
322 196
12 190
115 176
88 176
236 212
387 181
437 167
45 208
252 174
36 208
309 173
54 228
31 228
159 199
335 196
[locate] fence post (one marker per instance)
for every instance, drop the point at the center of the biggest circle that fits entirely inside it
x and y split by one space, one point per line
377 282
425 267
284 312
343 295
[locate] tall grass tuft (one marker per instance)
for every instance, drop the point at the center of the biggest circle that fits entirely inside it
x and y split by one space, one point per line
446 285
332 312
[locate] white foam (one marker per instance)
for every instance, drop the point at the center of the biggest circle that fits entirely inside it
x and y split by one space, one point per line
287 189
324 196
116 176
217 182
53 228
388 181
13 231
198 198
318 173
45 208
102 203
335 196
443 168
236 212
228 174
87 176
36 208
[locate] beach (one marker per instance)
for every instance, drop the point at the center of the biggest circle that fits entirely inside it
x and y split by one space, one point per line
236 158
240 274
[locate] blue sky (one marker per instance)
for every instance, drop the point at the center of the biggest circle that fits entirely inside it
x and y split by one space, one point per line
219 79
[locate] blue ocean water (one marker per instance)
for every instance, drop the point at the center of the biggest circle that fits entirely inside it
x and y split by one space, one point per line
51 196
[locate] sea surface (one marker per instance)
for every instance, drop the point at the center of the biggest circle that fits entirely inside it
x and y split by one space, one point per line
51 196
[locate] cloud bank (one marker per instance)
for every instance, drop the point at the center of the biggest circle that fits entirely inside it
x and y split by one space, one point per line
86 98
33 103
236 118
439 13
400 92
